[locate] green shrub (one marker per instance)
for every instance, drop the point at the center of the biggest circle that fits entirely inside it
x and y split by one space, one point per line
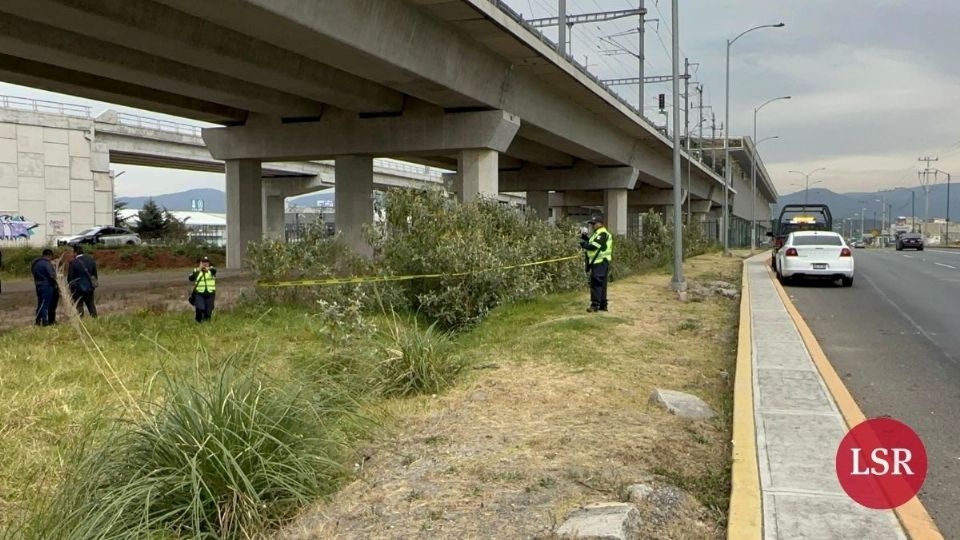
429 233
225 456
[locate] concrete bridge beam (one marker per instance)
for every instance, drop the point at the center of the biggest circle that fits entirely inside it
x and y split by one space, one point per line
582 176
338 135
156 29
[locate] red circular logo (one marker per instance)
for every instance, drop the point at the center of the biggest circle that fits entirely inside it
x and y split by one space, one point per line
881 463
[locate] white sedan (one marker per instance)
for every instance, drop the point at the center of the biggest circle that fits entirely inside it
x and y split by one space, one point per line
821 254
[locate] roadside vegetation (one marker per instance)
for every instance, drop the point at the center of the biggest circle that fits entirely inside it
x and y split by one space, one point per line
16 260
151 426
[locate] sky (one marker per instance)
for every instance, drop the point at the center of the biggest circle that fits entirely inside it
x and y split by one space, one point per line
874 84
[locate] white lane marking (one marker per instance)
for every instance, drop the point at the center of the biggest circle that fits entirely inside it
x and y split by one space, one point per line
908 256
945 265
909 319
945 251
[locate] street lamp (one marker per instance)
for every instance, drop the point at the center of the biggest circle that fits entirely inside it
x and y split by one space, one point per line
807 176
753 173
728 172
753 217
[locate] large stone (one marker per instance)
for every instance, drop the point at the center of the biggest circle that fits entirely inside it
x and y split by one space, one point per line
681 404
603 521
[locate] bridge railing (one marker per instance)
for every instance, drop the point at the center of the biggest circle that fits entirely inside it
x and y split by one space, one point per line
43 106
145 122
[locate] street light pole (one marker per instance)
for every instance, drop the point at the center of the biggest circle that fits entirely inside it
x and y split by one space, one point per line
753 174
806 189
677 283
728 170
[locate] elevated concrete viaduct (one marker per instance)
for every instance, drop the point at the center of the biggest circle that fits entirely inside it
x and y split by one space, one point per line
463 84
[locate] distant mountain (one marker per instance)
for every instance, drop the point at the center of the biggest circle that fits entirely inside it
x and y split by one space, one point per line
845 205
214 200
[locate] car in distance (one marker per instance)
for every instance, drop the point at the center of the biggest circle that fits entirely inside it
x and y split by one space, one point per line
859 244
911 241
108 236
815 254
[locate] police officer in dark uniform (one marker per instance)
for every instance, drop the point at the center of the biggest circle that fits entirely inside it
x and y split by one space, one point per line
598 249
45 281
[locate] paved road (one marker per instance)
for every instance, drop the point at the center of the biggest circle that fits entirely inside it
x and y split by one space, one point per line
894 337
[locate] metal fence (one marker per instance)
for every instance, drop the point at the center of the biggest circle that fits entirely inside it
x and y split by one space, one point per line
43 106
133 120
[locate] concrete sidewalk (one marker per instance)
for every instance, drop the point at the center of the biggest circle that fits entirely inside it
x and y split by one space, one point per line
798 430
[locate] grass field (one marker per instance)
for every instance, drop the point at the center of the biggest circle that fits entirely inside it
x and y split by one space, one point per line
552 411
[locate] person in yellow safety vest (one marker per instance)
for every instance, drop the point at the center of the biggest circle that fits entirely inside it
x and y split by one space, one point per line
204 293
598 248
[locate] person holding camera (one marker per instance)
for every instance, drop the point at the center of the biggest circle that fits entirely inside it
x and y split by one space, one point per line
204 292
597 243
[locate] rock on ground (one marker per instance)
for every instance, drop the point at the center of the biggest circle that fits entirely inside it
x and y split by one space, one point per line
681 404
603 521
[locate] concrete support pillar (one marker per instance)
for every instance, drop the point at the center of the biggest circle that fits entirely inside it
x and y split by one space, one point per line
353 200
273 217
244 208
615 210
539 203
478 172
559 213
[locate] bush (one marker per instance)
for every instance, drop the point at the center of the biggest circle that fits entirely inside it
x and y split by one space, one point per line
428 233
466 249
222 457
316 256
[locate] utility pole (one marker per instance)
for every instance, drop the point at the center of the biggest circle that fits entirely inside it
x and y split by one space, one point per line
926 186
678 283
913 208
686 125
562 28
640 57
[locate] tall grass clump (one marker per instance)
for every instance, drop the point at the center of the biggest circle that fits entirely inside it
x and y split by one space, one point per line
224 456
416 360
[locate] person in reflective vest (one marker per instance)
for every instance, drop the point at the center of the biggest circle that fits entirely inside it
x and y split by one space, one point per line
598 249
204 293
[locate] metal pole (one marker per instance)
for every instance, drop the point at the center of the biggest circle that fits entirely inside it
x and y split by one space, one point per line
946 236
562 28
686 126
640 58
753 179
862 212
678 283
727 173
913 209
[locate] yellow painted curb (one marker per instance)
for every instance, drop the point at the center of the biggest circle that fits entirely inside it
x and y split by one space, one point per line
914 518
745 520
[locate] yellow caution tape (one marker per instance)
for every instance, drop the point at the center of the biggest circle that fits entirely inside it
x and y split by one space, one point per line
381 279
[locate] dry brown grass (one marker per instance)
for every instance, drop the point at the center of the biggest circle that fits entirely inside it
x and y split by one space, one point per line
550 425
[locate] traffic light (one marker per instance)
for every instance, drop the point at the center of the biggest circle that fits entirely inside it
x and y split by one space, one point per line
663 101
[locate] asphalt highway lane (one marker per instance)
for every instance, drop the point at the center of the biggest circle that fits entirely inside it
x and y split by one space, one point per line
894 338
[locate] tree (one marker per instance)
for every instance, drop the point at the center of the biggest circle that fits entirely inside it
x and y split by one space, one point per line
175 230
118 221
152 224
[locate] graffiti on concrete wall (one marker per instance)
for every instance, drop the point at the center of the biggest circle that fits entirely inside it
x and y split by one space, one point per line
55 226
15 227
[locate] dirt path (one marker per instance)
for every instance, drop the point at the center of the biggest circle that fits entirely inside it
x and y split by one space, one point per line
124 293
559 418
